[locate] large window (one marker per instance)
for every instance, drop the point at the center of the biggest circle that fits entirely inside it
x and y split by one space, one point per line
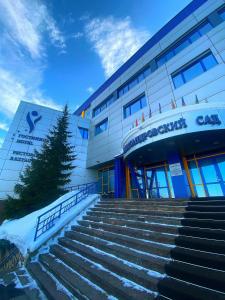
134 81
134 106
83 133
103 105
100 127
194 69
184 42
222 13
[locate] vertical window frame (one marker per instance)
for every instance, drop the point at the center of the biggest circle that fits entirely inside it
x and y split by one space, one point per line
188 66
97 126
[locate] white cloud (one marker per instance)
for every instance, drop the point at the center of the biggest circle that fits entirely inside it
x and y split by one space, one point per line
1 141
77 35
90 89
13 91
114 40
4 126
26 21
26 29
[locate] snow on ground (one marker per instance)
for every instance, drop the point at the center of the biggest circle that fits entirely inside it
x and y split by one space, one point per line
21 231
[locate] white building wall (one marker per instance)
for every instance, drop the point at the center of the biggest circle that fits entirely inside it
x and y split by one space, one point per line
11 169
158 87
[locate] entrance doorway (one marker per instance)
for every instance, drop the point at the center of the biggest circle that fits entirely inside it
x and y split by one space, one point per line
106 181
208 175
158 182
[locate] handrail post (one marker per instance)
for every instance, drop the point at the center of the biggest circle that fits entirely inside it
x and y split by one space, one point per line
60 210
36 231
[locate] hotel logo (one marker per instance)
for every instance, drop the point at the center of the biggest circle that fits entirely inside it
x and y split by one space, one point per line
32 119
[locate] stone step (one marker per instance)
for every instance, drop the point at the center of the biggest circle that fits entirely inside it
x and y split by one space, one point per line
206 208
118 266
134 224
173 202
113 284
199 257
209 245
186 230
205 215
140 212
206 202
128 241
140 233
177 289
207 277
142 207
47 283
78 285
157 201
136 217
203 223
145 260
217 234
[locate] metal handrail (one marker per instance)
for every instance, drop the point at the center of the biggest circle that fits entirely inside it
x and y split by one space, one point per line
79 186
47 220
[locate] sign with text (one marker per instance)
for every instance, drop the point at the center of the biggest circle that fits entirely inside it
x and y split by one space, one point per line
175 169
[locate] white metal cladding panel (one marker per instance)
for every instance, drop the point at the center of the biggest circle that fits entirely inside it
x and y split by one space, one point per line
157 76
178 31
9 175
159 89
218 38
222 55
204 10
7 186
218 97
151 54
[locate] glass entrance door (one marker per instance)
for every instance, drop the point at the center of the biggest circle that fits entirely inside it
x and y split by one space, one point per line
212 177
158 182
208 176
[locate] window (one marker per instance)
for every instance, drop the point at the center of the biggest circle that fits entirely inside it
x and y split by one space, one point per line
222 13
102 126
134 106
196 68
103 105
140 76
83 133
190 38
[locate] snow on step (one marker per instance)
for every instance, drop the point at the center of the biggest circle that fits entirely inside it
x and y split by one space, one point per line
108 279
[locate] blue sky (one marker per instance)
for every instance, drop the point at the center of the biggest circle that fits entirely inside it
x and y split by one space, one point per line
60 51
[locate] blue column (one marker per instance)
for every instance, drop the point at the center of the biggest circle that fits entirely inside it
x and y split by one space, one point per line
119 177
178 176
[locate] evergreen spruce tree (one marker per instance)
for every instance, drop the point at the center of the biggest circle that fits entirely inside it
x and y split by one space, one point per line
43 181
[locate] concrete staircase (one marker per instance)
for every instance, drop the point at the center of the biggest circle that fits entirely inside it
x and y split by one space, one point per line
143 249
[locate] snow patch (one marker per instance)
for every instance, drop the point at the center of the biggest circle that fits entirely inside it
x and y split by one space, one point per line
21 231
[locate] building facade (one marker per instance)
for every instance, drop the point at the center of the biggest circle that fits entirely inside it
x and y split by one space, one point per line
156 127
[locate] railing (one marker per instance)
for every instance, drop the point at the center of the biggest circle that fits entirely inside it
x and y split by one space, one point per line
78 187
48 219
